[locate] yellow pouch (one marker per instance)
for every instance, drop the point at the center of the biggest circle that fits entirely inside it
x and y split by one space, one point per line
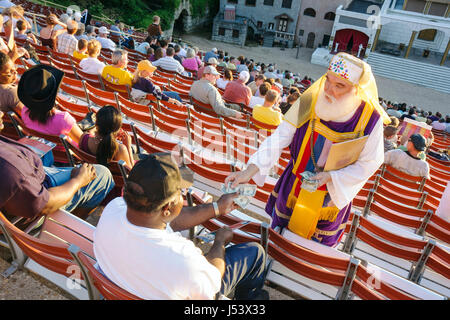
306 213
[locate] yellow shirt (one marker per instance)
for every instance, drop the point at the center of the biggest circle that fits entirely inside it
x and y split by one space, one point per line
117 76
79 55
267 115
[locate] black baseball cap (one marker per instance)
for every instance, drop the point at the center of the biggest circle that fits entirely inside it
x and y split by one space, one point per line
159 176
418 141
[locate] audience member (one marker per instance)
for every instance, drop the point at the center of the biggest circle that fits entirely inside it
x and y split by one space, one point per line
204 91
210 54
177 55
22 32
390 138
237 92
34 190
211 62
9 101
394 121
143 86
117 73
259 100
411 114
158 54
254 86
169 63
49 34
268 113
91 64
291 99
37 91
154 30
192 62
225 79
67 43
104 141
147 220
409 161
270 73
104 40
439 124
82 50
90 33
80 34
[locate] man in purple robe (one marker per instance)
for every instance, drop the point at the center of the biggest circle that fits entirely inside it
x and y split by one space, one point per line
341 106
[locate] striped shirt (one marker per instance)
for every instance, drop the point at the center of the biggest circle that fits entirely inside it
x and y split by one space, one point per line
170 64
67 43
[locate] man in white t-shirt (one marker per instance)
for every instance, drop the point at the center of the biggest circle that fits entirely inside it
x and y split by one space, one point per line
137 245
104 40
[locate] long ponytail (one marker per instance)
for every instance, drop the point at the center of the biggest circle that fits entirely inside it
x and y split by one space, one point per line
109 121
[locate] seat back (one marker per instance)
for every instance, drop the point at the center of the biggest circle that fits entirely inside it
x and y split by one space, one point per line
99 97
94 80
108 289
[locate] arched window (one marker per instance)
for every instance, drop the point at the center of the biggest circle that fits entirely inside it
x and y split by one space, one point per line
309 12
330 16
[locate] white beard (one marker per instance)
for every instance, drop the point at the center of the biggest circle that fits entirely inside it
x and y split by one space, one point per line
338 110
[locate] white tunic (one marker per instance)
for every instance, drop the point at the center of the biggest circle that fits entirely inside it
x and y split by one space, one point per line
345 183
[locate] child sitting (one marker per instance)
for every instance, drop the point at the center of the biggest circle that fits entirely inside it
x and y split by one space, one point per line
81 51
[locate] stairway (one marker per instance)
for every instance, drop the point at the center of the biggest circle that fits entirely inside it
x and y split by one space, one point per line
428 75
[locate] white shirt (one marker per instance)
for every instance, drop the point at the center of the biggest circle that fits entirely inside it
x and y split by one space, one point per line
92 65
169 63
256 100
400 160
107 43
345 183
143 47
221 83
152 263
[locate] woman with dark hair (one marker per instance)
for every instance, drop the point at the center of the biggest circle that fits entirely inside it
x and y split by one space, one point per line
159 53
227 77
109 142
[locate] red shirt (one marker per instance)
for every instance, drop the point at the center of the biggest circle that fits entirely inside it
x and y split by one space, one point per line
237 92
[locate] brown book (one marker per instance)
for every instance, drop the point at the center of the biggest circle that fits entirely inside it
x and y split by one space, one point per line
345 153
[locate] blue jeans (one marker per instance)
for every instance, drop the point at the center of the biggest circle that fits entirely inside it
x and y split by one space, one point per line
244 270
91 195
173 95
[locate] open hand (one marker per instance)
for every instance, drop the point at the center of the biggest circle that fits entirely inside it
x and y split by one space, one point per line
226 203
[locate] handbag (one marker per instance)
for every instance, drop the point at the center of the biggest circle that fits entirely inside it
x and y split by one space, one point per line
88 122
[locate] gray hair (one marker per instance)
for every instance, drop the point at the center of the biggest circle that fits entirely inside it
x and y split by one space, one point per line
118 55
190 53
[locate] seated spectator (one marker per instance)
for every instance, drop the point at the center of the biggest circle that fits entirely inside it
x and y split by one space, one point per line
49 34
254 85
242 66
67 43
211 62
143 85
104 142
164 45
390 138
393 111
291 99
192 62
237 92
409 161
116 30
224 63
220 62
231 64
82 50
439 124
169 63
9 101
270 74
210 54
447 123
177 55
90 33
34 190
117 73
226 78
411 114
147 221
259 100
287 80
306 82
268 113
80 34
37 91
22 32
105 42
143 48
204 91
394 121
158 54
91 64
435 117
422 116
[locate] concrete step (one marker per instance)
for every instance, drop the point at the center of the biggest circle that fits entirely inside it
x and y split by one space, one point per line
436 77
